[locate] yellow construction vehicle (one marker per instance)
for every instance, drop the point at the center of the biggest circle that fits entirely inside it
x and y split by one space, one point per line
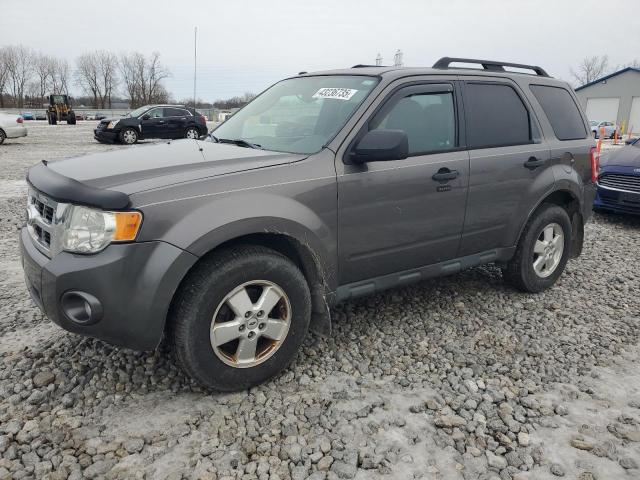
59 109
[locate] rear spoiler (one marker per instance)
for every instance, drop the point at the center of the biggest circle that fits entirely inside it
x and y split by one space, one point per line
67 190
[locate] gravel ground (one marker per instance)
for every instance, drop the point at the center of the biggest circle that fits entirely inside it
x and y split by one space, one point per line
454 378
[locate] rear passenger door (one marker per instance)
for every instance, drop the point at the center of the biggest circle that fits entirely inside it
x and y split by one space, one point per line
177 120
402 214
509 163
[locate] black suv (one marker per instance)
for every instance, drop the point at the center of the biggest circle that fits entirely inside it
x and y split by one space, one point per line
327 186
152 121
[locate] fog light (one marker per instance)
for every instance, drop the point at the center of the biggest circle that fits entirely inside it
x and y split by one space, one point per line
81 308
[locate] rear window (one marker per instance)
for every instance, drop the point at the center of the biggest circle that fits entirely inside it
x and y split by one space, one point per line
561 110
496 116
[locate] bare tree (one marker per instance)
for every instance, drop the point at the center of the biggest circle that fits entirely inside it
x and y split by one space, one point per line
87 76
96 74
142 78
44 67
60 82
4 74
590 69
108 68
19 65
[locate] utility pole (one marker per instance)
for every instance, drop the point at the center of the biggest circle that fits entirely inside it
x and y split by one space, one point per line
397 59
195 63
379 60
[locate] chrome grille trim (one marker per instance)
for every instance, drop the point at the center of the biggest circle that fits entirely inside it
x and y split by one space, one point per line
620 181
45 222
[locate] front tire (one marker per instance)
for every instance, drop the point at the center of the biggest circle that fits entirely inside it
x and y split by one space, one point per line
239 318
128 136
71 118
543 251
2 136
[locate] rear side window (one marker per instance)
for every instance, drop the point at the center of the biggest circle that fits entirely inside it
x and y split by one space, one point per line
561 110
496 116
175 112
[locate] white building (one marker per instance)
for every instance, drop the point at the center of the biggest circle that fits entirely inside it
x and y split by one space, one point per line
614 98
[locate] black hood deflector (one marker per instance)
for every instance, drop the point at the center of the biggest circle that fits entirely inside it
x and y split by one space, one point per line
67 190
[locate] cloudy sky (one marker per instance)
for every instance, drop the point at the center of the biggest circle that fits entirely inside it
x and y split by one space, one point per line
245 45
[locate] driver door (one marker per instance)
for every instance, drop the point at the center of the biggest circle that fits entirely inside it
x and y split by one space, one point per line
403 214
154 124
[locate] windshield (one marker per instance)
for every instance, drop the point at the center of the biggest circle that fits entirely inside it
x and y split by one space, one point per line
138 111
298 115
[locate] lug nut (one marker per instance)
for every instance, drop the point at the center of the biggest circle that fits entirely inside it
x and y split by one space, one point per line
261 313
251 334
241 328
261 326
247 314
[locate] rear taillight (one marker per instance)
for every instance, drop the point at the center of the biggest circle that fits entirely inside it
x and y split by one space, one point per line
202 119
19 120
595 164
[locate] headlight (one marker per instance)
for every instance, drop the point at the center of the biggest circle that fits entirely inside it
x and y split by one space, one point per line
112 124
87 230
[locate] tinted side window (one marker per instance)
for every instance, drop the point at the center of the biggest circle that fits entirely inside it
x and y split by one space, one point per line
155 113
175 112
496 116
561 110
427 119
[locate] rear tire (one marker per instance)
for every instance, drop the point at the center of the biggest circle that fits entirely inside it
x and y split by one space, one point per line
71 118
543 250
128 136
53 120
192 132
2 136
207 295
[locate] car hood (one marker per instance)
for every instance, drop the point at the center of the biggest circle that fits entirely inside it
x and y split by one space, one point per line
628 156
140 168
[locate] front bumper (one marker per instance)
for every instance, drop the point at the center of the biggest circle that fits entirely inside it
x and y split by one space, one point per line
16 132
133 282
110 136
617 200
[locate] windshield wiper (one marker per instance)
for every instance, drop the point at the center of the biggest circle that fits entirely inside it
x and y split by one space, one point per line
240 142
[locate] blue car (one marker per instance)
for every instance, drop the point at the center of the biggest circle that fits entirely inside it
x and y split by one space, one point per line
619 181
28 116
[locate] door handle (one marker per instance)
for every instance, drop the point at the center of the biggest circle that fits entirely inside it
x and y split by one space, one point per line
533 163
444 175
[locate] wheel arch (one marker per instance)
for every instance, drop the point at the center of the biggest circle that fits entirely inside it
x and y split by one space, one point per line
569 200
302 254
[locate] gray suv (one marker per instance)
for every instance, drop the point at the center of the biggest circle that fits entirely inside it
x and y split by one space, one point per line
326 187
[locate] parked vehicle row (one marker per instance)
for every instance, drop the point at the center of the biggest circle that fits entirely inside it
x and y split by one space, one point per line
325 187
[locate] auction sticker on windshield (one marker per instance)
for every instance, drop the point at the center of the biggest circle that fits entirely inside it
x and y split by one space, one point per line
336 93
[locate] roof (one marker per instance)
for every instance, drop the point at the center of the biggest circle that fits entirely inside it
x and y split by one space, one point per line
614 74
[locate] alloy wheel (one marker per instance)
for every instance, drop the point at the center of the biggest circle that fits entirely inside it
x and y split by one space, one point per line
548 250
192 133
250 324
129 137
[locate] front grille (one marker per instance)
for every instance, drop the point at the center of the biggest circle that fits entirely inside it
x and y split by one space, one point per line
620 181
43 221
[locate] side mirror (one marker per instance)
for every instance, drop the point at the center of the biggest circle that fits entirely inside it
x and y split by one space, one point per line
381 145
146 117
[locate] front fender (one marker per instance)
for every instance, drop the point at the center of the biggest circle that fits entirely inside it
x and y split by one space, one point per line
199 225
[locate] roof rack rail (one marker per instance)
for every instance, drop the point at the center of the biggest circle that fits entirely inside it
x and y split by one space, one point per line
362 65
492 65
